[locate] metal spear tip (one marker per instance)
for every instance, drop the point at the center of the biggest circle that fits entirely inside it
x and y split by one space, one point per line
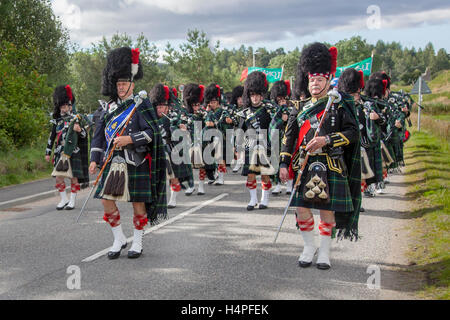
335 94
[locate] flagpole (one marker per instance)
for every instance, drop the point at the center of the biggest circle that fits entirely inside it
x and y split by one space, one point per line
282 71
371 65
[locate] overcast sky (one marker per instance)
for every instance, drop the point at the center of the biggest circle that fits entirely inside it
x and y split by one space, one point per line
260 23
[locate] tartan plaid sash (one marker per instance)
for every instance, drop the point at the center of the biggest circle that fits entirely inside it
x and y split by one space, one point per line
157 209
347 222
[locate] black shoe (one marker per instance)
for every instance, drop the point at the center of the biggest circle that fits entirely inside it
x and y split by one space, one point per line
303 264
362 210
188 194
61 208
323 266
200 193
171 207
250 208
134 254
262 207
115 255
69 208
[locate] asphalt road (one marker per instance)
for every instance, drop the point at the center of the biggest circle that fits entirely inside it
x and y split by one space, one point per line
210 248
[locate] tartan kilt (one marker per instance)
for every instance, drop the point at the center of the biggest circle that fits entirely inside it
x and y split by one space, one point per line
75 162
376 163
224 150
390 147
339 190
276 177
139 185
182 172
246 167
77 165
209 167
398 152
402 144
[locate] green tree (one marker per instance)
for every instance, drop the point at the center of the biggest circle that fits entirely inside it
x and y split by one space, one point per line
441 62
31 24
194 61
289 61
428 55
352 50
24 98
86 75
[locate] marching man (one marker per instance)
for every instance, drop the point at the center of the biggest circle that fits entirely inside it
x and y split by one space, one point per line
332 176
128 143
70 136
280 94
254 119
177 173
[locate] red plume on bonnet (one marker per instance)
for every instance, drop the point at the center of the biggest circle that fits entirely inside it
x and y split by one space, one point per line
166 93
175 92
361 79
385 83
265 80
202 93
69 93
334 52
135 56
218 90
288 87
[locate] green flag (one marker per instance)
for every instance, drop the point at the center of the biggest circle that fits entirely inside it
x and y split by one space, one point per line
365 66
272 75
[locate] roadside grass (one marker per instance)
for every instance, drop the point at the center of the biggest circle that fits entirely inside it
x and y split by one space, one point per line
445 117
24 165
428 174
438 125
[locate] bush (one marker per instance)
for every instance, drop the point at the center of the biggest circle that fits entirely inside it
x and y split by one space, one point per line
5 141
24 98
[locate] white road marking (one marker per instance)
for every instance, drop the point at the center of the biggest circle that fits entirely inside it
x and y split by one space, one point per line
161 225
27 197
36 196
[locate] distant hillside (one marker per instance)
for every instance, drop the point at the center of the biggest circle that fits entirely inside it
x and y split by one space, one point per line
439 100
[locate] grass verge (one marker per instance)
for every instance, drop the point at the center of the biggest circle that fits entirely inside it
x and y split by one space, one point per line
24 165
428 174
439 126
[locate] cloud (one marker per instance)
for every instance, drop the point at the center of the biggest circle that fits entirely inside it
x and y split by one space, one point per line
435 16
190 6
401 21
69 14
236 22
